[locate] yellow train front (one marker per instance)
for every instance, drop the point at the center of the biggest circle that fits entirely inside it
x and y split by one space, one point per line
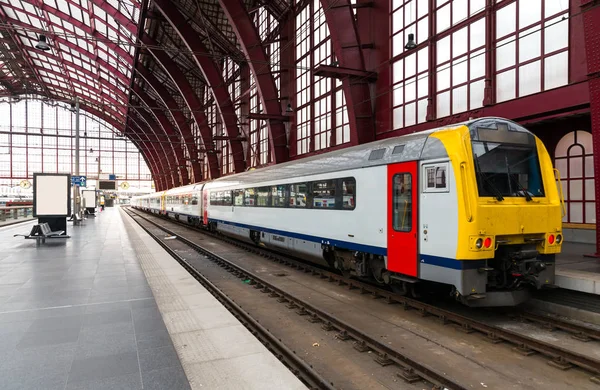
509 213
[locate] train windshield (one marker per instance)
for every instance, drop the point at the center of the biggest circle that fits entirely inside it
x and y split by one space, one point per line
506 160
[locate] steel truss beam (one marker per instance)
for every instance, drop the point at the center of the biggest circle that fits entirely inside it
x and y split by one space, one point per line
247 35
167 151
141 137
189 96
212 74
170 135
184 128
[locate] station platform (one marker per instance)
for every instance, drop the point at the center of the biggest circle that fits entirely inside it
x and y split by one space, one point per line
576 272
109 308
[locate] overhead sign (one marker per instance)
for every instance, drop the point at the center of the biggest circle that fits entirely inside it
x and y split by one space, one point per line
112 177
78 181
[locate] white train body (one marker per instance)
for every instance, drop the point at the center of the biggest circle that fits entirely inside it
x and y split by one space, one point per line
398 210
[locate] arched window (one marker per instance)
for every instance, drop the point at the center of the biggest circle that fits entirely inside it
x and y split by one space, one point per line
575 161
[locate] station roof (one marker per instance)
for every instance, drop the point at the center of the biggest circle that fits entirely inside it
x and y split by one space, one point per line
98 52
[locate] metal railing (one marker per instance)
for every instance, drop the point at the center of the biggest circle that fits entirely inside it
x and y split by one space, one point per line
16 213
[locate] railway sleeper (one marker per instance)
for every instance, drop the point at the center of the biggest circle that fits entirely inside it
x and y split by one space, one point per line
560 363
409 375
524 350
383 359
361 346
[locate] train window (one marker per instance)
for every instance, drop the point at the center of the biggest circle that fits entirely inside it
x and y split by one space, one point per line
402 202
348 193
238 197
213 198
194 199
262 197
298 194
226 198
220 198
278 196
323 194
249 194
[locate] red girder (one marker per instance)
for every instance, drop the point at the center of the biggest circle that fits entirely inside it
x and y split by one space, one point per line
188 94
182 124
212 74
149 159
151 147
591 27
168 153
58 13
108 68
105 107
171 135
347 49
248 36
84 84
116 15
150 165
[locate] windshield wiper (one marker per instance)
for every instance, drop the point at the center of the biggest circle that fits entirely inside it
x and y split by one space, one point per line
498 196
519 186
522 189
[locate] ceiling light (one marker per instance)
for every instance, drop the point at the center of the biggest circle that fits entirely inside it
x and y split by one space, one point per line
411 42
42 44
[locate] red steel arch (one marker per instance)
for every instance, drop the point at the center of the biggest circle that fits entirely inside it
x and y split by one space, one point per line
184 128
188 94
248 36
212 74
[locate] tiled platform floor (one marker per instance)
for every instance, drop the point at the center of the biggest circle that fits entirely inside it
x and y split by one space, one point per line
79 314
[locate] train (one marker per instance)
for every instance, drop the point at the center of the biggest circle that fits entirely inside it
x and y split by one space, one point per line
16 201
475 207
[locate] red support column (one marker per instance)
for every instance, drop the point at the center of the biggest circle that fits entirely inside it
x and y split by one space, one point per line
349 51
591 26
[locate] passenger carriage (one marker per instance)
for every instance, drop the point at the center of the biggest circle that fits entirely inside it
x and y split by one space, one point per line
473 206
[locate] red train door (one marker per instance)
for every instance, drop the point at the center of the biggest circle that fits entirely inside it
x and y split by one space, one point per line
205 207
402 218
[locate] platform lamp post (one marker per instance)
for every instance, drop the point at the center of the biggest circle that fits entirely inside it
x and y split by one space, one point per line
76 205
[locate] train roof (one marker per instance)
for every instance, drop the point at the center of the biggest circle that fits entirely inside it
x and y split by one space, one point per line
410 147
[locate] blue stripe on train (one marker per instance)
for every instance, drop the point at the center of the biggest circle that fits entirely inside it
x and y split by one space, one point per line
321 240
423 259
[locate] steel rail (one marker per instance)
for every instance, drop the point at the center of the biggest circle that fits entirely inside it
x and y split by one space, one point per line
412 370
559 357
579 332
299 368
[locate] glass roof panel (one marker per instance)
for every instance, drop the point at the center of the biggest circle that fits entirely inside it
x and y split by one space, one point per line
84 39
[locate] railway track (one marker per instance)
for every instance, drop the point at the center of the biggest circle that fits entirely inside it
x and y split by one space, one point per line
558 357
410 369
577 331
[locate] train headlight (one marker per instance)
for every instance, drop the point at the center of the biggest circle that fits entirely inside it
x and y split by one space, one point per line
479 243
487 242
551 239
558 238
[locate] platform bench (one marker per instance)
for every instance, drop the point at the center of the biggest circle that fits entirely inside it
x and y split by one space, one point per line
40 232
